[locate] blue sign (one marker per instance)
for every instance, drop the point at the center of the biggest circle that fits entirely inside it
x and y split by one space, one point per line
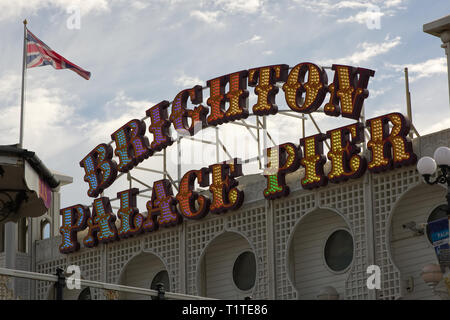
439 230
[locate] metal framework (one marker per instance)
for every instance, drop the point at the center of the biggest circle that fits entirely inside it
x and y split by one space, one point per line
258 132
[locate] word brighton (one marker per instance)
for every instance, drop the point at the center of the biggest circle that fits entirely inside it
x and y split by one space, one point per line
305 87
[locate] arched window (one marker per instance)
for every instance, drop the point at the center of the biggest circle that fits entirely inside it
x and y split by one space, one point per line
45 229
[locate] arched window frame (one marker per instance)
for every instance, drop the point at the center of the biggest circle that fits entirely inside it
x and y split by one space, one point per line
44 223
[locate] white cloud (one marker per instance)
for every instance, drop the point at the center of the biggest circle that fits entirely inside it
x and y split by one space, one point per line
52 121
363 17
253 40
121 104
209 17
10 10
61 138
381 77
424 69
49 116
140 5
393 107
322 8
211 10
18 8
351 4
186 81
369 51
10 88
440 125
331 5
239 6
333 8
393 3
376 92
118 111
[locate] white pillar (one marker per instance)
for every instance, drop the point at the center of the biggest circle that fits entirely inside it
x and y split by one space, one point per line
11 248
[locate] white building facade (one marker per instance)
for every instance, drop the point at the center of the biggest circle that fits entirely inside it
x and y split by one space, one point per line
296 247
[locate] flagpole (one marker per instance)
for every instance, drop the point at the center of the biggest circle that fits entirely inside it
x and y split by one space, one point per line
24 67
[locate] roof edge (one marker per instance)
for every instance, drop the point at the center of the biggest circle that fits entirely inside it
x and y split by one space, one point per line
34 161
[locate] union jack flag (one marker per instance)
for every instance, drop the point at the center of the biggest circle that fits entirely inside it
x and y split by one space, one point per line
39 54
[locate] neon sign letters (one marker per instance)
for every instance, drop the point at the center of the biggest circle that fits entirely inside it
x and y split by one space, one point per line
305 87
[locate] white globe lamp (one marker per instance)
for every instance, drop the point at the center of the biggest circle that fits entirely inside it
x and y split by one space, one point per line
442 156
426 166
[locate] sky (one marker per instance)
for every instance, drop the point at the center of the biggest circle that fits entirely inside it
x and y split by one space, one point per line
142 52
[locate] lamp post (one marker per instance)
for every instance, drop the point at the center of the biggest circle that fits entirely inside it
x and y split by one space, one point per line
427 166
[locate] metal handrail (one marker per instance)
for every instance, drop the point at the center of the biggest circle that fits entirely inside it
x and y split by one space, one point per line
100 285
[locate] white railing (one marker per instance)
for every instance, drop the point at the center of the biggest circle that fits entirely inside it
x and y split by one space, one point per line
101 285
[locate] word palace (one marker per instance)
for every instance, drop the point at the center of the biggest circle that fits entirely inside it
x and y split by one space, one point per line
305 87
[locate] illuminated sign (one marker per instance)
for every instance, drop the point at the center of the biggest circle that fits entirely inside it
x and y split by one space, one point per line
305 88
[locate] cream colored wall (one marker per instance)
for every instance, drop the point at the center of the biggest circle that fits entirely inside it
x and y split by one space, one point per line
139 272
217 266
307 266
410 252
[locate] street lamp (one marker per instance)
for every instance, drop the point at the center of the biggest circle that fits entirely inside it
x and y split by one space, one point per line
427 166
